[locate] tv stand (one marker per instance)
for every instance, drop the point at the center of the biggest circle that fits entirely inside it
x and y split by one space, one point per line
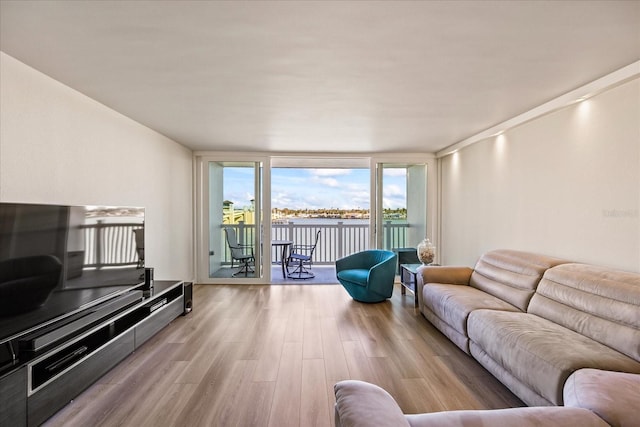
40 386
56 333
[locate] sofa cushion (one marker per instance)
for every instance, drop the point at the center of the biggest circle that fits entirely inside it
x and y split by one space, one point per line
459 339
594 301
511 275
541 353
613 396
517 387
453 303
521 417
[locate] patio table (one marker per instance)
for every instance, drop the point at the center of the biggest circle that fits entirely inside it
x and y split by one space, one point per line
285 245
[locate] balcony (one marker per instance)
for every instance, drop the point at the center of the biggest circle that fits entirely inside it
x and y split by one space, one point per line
337 239
113 245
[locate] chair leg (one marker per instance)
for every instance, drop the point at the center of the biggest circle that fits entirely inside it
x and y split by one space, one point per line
242 270
300 272
246 269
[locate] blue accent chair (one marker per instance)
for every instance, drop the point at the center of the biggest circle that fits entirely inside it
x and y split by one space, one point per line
368 276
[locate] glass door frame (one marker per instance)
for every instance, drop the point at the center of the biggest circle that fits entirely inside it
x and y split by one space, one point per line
431 221
262 215
267 160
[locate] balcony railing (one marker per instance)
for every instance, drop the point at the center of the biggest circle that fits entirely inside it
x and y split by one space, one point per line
113 244
336 239
110 244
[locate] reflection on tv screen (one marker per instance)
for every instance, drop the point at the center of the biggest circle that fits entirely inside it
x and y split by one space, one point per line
66 256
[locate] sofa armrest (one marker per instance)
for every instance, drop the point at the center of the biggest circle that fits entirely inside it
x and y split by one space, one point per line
445 274
361 404
613 396
453 275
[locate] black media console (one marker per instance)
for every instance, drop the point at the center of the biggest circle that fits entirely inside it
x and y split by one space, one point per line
60 361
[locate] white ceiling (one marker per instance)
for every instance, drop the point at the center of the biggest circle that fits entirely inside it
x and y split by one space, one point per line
322 77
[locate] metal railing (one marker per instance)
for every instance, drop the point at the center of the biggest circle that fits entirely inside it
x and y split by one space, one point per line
336 239
110 244
113 244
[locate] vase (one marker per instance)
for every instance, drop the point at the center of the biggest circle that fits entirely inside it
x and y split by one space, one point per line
426 251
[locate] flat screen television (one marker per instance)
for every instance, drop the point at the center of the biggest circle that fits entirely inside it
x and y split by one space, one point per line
57 261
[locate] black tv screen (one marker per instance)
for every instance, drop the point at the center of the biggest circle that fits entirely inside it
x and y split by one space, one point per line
58 260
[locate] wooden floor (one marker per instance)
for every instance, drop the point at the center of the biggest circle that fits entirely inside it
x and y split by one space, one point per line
269 356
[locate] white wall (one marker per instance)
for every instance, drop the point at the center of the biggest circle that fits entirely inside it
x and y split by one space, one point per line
59 146
566 184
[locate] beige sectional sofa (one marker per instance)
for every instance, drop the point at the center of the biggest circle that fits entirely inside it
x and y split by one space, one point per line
554 332
532 320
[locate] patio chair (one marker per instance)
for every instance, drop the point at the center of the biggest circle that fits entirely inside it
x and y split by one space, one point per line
239 253
302 255
368 276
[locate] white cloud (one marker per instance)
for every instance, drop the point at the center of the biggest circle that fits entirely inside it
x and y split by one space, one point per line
329 172
283 199
322 188
393 190
329 182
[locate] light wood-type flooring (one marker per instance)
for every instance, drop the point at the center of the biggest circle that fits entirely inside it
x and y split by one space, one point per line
270 355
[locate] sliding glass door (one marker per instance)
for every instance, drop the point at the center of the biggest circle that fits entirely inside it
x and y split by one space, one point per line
401 205
231 219
355 203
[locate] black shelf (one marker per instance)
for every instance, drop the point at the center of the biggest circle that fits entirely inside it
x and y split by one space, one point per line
78 357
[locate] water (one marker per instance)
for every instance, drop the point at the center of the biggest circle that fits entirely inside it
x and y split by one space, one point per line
321 221
326 221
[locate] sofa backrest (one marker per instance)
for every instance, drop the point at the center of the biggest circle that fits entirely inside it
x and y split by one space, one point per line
511 275
598 302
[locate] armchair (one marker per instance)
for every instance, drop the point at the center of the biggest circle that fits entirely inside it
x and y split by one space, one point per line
368 276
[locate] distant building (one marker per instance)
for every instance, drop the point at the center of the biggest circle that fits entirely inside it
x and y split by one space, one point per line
232 216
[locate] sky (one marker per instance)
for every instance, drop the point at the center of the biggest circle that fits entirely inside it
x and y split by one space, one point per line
306 188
